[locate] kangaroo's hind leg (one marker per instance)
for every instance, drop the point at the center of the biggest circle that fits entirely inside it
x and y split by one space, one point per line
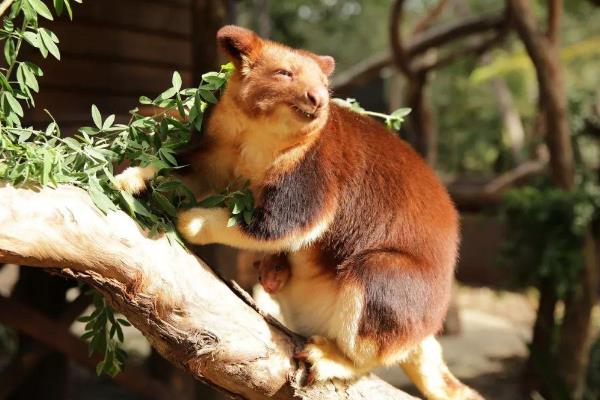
427 370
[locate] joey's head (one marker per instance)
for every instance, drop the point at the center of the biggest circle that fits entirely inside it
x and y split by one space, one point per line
288 86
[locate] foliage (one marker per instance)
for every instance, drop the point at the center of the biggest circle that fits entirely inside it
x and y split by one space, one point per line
239 202
321 25
101 328
392 121
552 223
87 159
13 92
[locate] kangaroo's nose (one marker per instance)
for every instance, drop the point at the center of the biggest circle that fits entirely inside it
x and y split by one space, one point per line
313 98
316 97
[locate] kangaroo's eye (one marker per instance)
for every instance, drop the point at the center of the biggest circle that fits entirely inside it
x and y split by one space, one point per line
284 72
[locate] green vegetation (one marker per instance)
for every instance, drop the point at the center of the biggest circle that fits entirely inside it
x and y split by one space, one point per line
87 159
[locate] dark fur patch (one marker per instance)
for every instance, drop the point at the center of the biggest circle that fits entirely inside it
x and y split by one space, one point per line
291 202
403 300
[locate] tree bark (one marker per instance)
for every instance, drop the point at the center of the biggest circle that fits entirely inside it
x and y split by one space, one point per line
188 313
545 58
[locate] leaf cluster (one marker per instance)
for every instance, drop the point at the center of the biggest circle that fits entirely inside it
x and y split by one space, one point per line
552 223
392 121
239 202
87 159
104 333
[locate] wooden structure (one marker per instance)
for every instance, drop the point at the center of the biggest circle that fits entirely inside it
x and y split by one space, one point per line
116 50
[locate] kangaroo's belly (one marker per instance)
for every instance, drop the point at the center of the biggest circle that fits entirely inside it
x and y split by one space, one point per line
313 302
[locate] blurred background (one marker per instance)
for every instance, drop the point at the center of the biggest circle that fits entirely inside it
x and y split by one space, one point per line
505 99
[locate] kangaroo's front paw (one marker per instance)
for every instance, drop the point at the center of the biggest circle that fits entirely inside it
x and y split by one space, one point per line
326 361
192 224
133 179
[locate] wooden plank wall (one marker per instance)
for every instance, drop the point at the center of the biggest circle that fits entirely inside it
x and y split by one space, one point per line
112 52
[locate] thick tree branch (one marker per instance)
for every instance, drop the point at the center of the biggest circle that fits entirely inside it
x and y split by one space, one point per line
431 38
552 92
555 12
186 311
361 72
475 197
443 34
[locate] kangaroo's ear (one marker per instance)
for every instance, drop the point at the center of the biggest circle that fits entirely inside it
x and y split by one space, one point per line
238 42
327 64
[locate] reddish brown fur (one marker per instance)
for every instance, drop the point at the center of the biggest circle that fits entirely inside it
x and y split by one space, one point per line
395 231
390 229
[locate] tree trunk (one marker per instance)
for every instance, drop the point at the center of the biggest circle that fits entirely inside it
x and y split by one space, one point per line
188 313
543 51
421 122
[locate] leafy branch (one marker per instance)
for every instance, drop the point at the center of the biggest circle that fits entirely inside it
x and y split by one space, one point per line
105 334
87 158
392 121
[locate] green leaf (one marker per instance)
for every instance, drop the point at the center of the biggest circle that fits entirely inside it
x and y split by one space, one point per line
168 186
37 71
41 8
32 38
4 83
134 205
212 201
166 154
108 122
9 51
8 24
247 217
25 135
237 207
58 6
101 200
145 100
14 104
21 77
48 161
100 367
231 222
68 7
164 204
87 335
401 112
207 95
96 116
120 335
30 79
167 94
48 40
176 81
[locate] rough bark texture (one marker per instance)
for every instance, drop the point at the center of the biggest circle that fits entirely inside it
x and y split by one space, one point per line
188 313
